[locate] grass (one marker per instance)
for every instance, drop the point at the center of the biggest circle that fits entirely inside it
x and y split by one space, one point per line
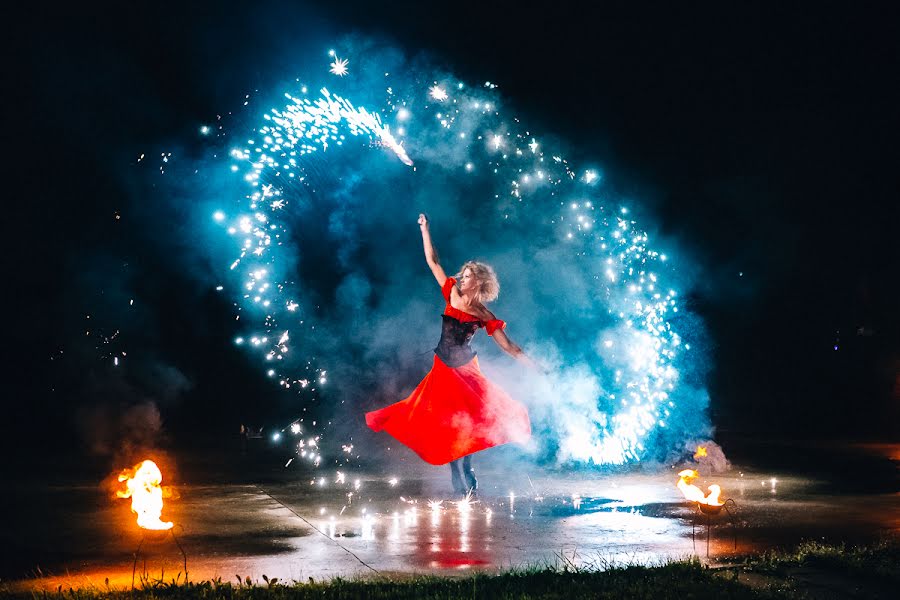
879 561
686 580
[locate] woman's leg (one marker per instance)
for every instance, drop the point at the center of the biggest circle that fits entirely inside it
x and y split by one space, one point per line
456 478
471 482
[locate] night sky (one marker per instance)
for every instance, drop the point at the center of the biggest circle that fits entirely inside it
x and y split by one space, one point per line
761 138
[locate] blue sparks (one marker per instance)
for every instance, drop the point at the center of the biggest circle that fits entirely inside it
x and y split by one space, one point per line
628 383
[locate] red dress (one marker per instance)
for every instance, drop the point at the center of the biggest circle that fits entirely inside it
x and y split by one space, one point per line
455 410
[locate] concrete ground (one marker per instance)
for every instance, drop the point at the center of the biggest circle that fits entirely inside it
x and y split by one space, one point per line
320 524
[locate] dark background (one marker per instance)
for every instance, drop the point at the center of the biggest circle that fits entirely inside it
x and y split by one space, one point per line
762 138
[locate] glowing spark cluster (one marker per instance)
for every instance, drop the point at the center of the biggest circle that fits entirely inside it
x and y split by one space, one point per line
641 351
339 67
304 126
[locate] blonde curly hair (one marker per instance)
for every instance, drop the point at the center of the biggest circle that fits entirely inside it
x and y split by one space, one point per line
488 285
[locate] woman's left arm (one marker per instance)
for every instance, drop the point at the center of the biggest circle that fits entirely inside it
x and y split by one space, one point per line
511 348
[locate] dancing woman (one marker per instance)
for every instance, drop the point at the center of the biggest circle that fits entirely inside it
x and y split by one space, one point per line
455 411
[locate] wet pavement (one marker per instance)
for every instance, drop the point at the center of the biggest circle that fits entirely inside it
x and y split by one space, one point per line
324 524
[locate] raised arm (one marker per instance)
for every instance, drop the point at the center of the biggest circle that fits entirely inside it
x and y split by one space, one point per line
431 256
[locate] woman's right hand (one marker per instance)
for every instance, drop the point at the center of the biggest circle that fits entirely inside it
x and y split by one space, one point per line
423 220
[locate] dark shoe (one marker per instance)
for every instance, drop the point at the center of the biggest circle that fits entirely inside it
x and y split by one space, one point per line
471 482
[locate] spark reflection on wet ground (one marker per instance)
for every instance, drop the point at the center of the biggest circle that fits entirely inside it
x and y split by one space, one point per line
408 522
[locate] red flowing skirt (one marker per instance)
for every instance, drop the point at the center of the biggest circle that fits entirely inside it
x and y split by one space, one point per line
453 413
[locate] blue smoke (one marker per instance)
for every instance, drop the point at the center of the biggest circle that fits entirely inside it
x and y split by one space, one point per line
319 244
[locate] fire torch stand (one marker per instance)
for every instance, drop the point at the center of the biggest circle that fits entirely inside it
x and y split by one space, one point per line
707 512
137 553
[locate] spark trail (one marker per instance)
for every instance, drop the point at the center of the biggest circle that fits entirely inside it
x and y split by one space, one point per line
636 392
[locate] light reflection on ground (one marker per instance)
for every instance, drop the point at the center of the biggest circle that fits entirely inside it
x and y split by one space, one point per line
294 530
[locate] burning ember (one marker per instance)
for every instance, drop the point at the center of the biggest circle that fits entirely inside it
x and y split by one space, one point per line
695 494
700 453
142 486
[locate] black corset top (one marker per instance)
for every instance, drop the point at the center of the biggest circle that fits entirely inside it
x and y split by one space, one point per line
454 347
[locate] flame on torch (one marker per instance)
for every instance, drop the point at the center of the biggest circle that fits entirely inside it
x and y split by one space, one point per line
142 485
695 494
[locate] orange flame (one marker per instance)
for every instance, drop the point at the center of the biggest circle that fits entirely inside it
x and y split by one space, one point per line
695 494
700 453
142 486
